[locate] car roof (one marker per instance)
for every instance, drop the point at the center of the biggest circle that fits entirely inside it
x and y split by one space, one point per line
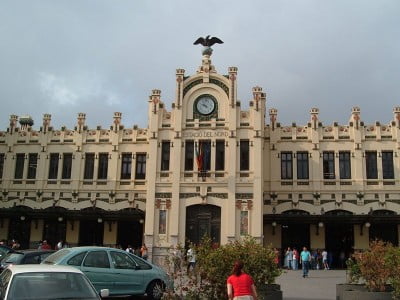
93 248
38 251
17 269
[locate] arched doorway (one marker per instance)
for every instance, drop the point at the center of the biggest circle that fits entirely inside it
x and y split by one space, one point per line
295 234
203 220
339 238
20 230
91 228
386 232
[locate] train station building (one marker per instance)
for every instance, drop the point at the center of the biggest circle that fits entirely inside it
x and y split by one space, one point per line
203 166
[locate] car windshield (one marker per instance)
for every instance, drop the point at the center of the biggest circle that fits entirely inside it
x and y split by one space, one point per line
50 285
55 257
13 257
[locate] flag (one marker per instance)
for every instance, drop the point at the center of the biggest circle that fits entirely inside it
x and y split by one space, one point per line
199 156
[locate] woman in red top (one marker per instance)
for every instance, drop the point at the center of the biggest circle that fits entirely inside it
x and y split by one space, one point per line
240 285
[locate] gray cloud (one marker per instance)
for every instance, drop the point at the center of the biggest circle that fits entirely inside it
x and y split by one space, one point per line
65 57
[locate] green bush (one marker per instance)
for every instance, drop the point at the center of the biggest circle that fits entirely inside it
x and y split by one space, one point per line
214 265
378 267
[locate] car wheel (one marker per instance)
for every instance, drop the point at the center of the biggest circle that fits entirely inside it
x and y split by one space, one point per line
155 290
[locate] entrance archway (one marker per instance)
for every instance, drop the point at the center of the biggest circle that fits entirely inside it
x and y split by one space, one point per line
386 232
203 220
339 239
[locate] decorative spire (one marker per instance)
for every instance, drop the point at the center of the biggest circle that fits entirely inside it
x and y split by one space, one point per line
13 123
81 122
46 122
314 112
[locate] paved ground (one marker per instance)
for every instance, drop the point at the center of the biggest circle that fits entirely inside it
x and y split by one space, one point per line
320 285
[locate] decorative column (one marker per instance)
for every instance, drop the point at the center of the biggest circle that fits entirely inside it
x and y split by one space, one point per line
233 88
273 113
179 87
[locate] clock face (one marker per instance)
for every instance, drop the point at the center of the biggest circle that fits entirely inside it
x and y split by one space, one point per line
205 105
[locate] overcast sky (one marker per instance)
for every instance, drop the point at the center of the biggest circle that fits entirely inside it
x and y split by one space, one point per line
68 56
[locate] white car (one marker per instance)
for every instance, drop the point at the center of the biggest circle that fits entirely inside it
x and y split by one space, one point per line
46 282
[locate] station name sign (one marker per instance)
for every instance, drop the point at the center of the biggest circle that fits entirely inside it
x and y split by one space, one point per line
205 133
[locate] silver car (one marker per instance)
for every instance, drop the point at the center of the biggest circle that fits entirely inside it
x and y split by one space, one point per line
44 282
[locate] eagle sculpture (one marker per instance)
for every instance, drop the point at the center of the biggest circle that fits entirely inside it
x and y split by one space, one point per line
208 42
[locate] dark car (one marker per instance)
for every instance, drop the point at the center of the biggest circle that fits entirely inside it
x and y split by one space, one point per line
4 250
24 257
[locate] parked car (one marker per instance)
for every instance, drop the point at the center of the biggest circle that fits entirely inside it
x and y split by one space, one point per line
4 250
46 282
24 257
117 270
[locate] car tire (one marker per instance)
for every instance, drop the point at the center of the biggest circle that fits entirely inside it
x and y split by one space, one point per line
155 290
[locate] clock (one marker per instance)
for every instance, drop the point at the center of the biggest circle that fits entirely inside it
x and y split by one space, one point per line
205 105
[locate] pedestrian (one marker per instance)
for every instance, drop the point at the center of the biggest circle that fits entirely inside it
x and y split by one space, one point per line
191 257
305 258
45 246
240 285
342 258
290 258
60 245
295 259
143 251
129 249
286 258
325 259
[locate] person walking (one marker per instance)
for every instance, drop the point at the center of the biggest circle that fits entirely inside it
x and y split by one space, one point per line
143 252
305 258
240 286
325 259
295 259
191 257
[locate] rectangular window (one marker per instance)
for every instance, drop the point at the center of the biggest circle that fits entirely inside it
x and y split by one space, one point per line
53 166
19 166
162 222
140 166
165 155
371 165
189 155
286 165
2 156
67 166
220 156
344 165
126 165
103 166
244 155
302 165
329 164
89 166
387 165
32 165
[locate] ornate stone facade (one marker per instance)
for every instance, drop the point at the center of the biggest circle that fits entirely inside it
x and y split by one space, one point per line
205 167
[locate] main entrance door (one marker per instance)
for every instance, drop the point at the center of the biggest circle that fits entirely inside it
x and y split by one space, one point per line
339 239
203 220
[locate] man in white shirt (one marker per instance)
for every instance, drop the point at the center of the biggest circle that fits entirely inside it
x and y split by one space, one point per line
325 259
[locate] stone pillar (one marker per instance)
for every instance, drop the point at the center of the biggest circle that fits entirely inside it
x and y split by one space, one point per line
81 122
46 122
13 123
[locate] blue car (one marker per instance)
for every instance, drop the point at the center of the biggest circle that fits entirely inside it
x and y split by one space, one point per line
118 271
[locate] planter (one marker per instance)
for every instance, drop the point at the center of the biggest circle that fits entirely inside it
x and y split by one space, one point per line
269 291
359 291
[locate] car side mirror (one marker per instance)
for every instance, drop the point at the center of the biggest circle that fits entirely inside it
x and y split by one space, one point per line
104 293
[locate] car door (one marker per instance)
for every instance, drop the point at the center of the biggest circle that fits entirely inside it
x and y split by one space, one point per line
96 266
129 278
